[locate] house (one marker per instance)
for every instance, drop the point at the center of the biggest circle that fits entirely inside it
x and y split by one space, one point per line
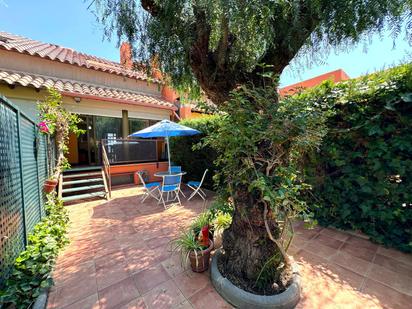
335 76
113 99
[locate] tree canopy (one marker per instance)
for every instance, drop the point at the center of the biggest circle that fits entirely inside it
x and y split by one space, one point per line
221 44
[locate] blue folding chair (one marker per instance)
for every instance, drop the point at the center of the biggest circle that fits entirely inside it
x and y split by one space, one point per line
196 186
149 188
171 184
177 169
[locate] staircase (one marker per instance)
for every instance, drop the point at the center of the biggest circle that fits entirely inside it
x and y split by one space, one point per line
83 183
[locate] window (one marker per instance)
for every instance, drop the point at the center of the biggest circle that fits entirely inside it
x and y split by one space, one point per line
137 124
108 128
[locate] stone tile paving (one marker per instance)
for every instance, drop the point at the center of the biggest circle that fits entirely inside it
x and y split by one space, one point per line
119 258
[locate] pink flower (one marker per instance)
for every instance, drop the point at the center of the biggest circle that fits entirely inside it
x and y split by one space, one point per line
43 127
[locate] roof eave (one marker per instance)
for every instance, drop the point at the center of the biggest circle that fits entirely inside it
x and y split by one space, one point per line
97 98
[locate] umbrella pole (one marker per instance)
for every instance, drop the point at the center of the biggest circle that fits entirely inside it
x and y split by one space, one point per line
168 151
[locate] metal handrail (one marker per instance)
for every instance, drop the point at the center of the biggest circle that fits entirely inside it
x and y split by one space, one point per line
60 188
106 169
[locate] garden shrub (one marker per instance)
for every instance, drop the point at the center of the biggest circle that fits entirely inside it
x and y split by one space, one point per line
362 174
31 271
187 151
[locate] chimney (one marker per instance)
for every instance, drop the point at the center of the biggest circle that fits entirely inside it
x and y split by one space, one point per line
126 55
185 111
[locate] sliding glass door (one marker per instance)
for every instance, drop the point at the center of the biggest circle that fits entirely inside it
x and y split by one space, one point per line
109 129
96 128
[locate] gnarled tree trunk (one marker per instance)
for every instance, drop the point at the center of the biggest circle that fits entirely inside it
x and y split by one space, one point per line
246 243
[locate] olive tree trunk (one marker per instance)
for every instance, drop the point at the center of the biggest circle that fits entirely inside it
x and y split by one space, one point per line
246 243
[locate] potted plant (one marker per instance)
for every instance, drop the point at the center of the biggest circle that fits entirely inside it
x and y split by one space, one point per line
221 222
194 249
202 225
50 184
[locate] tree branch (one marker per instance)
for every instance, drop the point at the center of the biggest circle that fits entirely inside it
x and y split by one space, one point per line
222 50
281 249
151 7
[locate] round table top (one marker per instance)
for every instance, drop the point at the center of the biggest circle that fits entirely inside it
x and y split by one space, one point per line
167 173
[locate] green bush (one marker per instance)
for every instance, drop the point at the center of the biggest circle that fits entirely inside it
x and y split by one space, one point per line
31 271
362 174
187 151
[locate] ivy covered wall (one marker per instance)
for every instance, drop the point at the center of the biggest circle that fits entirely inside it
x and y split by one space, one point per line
362 175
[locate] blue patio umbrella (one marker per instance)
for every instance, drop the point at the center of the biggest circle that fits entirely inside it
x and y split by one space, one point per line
166 129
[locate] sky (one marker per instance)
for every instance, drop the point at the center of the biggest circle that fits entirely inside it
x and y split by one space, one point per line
70 24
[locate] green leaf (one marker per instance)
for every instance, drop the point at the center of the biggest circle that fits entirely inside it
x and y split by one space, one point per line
407 97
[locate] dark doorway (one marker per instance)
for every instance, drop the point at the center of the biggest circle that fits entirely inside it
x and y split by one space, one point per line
87 142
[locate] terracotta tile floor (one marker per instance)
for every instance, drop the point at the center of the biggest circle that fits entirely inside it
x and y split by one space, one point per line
118 258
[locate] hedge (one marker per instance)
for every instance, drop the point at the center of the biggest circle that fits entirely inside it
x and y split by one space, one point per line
361 176
195 160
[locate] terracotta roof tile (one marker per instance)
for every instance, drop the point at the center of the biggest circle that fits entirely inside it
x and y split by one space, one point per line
76 88
66 55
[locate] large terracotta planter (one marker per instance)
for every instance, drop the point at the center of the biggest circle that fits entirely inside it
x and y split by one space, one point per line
242 299
200 261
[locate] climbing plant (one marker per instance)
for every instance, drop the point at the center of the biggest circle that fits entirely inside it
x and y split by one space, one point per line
58 122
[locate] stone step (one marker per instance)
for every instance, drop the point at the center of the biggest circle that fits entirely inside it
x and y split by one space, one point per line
66 176
76 182
83 188
83 196
82 169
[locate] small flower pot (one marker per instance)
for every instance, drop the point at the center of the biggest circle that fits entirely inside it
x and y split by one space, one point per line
49 185
200 261
51 181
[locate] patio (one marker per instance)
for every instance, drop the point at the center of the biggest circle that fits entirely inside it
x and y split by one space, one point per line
119 258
